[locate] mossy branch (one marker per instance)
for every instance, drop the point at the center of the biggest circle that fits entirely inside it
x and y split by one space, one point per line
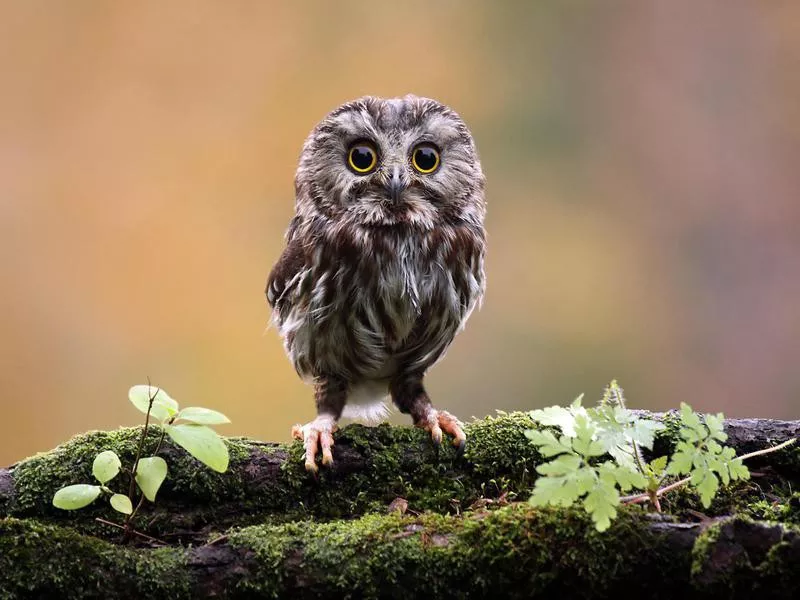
513 552
373 467
268 528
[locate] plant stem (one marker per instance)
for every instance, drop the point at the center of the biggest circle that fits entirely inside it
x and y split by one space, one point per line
781 446
141 499
639 498
132 487
637 456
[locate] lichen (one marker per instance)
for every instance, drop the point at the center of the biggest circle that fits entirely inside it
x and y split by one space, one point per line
42 561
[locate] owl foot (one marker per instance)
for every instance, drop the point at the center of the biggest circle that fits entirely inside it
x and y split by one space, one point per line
438 421
318 433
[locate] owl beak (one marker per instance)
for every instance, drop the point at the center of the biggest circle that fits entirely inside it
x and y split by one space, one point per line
395 186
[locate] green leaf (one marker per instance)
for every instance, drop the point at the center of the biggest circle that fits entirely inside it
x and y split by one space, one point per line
682 460
689 418
556 491
707 487
202 416
657 465
643 432
738 469
715 426
164 407
562 490
584 442
547 443
557 416
601 503
201 442
106 466
150 474
623 477
76 496
564 464
121 503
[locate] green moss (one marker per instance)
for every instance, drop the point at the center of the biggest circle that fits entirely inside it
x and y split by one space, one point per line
498 445
402 461
394 461
40 561
512 552
784 510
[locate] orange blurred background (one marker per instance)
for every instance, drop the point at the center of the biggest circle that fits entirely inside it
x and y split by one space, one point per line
643 167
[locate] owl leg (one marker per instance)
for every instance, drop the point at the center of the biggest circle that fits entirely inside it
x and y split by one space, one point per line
410 396
331 395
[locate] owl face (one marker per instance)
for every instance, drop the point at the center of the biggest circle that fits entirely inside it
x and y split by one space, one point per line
380 162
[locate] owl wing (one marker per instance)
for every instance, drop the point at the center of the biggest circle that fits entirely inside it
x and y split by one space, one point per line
285 275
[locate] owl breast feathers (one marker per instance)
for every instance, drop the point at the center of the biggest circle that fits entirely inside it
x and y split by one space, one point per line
384 256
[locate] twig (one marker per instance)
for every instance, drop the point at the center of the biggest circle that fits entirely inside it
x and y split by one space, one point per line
129 531
217 540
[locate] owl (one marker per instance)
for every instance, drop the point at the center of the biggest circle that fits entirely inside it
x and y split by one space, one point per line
383 264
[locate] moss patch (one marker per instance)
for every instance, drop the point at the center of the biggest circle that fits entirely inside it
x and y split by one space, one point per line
374 466
40 561
513 552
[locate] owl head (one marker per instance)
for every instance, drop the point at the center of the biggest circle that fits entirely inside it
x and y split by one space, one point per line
377 162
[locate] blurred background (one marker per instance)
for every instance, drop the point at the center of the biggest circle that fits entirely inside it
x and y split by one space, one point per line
643 167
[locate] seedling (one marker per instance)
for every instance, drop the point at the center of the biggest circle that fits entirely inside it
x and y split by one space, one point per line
188 428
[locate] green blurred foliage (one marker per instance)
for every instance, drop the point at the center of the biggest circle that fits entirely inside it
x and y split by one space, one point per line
642 184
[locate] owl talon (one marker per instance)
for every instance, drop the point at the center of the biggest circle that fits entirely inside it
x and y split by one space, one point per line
442 421
315 435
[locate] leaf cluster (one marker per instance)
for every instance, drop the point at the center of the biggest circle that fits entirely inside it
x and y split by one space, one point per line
188 428
577 472
596 453
700 454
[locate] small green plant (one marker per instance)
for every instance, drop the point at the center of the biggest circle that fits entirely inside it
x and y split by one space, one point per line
188 428
598 454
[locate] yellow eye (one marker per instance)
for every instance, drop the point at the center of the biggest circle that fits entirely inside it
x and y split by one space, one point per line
425 158
362 157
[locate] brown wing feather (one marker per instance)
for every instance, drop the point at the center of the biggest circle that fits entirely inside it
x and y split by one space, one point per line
289 265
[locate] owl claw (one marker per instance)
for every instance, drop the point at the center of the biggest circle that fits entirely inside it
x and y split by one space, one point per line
315 435
442 421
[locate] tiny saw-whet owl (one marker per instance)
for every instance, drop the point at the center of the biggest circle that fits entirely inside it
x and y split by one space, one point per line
383 261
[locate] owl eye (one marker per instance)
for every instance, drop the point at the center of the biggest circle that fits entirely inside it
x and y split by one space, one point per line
425 158
362 157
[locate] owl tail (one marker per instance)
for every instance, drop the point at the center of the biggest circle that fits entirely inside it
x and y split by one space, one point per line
366 402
